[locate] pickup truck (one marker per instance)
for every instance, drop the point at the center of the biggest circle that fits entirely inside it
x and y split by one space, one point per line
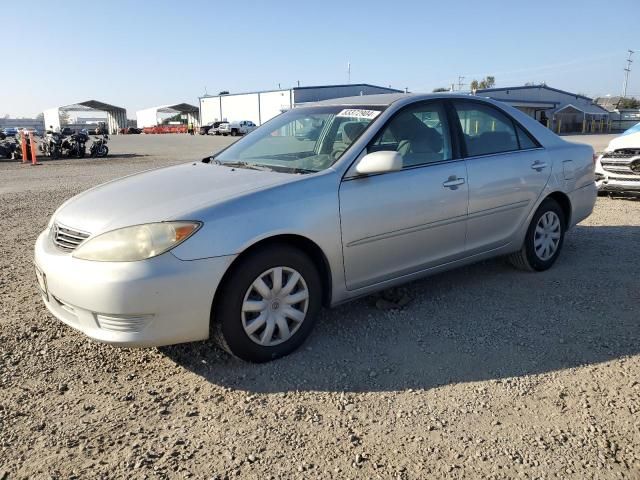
241 127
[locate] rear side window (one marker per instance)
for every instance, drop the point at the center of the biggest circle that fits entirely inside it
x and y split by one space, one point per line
525 139
485 129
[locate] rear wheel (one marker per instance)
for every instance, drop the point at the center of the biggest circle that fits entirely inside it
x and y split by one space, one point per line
268 305
544 239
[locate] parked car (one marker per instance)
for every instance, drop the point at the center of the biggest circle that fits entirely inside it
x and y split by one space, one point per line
247 245
618 168
241 127
211 128
204 129
215 129
10 131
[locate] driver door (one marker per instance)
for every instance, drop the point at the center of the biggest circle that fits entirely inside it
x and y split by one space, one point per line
399 223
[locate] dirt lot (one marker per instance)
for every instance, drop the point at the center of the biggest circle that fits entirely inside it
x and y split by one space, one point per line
487 373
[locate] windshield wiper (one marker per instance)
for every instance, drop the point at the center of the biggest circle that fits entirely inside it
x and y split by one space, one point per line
247 165
286 156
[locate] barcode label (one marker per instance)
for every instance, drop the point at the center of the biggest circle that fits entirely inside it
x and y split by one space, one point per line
359 113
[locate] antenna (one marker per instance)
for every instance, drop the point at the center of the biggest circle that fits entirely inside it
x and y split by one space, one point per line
627 71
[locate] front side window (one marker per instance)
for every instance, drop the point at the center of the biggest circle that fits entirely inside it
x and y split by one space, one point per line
485 129
420 134
301 140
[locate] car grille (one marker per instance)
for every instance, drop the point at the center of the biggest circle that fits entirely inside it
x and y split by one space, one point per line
66 238
622 162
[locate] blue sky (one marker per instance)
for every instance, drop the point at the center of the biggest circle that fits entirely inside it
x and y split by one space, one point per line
138 54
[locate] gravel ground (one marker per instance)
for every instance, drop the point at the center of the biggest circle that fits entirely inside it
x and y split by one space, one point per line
487 373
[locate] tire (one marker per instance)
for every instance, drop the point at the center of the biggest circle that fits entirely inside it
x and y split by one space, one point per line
529 257
229 321
234 133
103 151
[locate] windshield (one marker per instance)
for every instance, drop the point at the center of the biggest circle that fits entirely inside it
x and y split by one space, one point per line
302 140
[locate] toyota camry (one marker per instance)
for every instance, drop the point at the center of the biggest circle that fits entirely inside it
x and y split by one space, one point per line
322 204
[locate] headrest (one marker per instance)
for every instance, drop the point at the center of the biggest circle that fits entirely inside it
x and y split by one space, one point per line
351 131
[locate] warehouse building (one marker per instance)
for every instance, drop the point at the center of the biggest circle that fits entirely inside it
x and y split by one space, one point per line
150 117
621 117
116 117
262 106
561 111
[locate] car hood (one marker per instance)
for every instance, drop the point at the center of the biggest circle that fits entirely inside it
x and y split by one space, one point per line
628 140
172 193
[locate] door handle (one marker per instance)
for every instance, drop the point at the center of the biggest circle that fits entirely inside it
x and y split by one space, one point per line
537 165
453 182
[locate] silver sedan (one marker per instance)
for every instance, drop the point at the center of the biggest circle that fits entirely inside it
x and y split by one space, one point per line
321 205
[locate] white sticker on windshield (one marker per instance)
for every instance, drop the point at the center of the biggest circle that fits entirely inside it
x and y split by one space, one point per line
359 113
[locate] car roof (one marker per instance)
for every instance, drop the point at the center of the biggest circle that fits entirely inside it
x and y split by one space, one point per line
385 99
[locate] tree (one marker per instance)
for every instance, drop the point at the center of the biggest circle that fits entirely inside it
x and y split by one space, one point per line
40 117
440 89
174 118
486 82
631 102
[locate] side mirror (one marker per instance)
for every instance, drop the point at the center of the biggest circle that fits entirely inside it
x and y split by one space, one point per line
379 162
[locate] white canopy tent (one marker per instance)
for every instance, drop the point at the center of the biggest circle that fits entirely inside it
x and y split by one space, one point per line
150 117
116 116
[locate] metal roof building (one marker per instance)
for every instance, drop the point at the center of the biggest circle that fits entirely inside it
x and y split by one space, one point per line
262 106
150 117
116 116
560 110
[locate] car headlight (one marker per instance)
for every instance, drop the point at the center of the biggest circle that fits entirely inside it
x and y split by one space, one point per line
139 242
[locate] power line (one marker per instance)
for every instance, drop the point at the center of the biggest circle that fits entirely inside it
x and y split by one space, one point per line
460 84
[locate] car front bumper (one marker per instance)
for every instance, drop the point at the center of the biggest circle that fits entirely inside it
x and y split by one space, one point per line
607 183
159 301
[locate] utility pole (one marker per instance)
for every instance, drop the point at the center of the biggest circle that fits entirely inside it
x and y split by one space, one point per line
460 84
627 71
348 72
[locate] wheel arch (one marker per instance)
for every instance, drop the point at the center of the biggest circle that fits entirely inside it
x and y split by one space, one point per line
306 245
565 203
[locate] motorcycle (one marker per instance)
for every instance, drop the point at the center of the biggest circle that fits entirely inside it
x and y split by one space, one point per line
15 148
75 145
7 149
99 146
51 145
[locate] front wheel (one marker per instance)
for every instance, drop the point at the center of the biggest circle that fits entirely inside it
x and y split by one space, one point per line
268 304
544 238
103 151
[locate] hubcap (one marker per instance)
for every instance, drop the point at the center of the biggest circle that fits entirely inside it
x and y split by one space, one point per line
547 236
275 306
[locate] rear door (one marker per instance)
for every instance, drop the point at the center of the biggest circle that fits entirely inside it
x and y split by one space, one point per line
507 171
402 222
